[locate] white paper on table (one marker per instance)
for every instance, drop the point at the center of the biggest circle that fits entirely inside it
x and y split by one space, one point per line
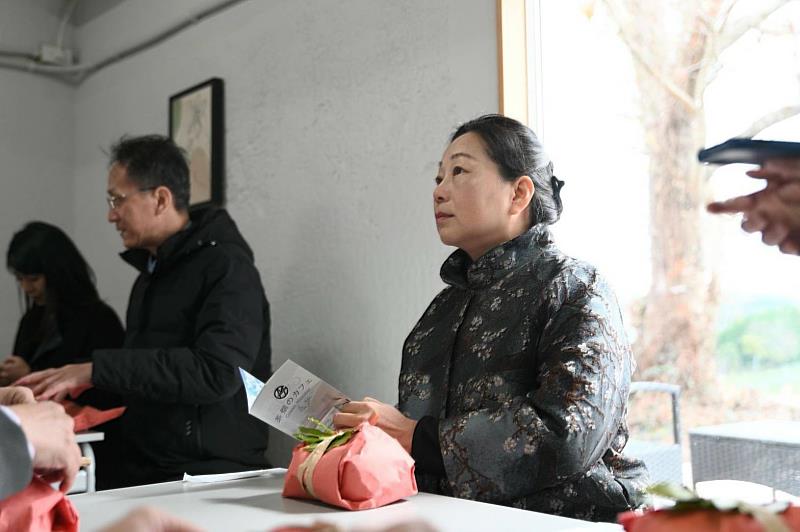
222 477
290 397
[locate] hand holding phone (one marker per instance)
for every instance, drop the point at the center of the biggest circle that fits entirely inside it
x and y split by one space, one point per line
773 211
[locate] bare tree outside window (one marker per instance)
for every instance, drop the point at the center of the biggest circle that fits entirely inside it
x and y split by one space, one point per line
677 50
631 89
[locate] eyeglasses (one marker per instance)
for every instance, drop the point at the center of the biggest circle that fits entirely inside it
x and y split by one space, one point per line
115 200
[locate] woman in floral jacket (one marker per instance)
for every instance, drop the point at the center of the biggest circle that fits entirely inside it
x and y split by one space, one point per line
514 383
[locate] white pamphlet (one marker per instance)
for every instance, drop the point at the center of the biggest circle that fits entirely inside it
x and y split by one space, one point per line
290 397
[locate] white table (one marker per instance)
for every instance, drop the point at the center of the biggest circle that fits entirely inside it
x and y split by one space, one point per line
257 504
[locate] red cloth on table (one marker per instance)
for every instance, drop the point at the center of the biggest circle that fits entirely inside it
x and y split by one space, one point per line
38 507
701 520
86 417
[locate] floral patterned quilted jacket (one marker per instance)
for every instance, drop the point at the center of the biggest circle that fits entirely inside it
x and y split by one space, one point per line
524 361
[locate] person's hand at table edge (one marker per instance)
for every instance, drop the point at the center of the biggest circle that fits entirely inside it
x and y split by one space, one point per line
50 431
147 519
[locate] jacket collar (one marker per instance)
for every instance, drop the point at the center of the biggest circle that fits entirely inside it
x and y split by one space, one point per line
194 236
138 258
459 269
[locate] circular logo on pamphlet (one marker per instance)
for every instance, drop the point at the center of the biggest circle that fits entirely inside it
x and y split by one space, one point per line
281 392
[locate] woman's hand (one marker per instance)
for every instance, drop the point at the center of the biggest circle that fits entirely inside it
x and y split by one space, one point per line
56 384
13 368
383 416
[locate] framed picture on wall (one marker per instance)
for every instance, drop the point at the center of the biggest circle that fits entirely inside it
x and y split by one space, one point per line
197 124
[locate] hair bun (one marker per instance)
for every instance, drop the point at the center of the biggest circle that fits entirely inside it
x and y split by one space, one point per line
557 185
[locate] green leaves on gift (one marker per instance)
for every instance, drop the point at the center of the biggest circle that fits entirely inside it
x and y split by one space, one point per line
314 436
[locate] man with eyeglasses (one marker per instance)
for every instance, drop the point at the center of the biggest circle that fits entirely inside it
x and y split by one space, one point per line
197 312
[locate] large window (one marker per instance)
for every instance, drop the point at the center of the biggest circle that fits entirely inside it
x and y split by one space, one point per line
622 94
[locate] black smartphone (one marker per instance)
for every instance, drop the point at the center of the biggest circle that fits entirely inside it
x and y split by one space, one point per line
748 151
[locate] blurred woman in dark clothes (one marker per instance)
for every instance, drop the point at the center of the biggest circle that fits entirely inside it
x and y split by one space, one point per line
64 317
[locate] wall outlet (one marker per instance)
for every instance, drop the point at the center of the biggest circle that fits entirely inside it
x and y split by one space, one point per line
51 54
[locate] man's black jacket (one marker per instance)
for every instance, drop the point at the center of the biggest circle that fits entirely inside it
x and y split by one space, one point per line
191 323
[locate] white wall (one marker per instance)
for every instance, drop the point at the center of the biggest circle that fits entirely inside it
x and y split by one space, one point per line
36 148
337 113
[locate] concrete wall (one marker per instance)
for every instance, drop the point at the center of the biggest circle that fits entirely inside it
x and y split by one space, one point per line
337 113
36 143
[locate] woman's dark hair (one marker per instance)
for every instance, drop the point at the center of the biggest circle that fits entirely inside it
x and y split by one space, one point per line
516 151
154 161
43 249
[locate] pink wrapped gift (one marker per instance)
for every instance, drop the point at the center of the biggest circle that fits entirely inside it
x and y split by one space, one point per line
38 508
692 512
704 521
372 469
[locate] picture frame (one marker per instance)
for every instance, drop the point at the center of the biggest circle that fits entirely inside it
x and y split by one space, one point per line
197 125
